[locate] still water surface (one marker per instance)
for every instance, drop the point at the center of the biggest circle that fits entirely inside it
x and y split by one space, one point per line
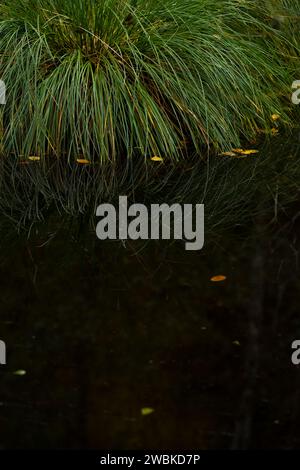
104 330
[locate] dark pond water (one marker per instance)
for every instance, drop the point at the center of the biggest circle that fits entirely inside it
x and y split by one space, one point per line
104 331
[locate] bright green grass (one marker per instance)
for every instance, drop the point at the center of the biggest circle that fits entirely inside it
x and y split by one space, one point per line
109 79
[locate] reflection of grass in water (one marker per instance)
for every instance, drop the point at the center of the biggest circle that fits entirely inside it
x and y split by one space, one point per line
233 190
103 79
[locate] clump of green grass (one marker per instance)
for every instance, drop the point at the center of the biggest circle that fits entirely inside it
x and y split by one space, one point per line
109 79
284 15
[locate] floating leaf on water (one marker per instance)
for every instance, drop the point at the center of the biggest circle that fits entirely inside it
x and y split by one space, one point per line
245 152
228 154
19 372
157 159
34 158
239 153
250 152
218 278
147 411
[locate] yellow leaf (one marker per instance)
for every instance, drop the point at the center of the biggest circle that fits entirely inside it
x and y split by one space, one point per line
218 278
228 154
157 159
245 152
147 411
275 117
274 131
19 372
34 158
250 152
83 161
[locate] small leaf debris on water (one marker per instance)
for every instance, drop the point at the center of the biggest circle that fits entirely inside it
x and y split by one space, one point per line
34 158
19 372
245 152
157 159
238 150
228 154
239 153
147 411
218 278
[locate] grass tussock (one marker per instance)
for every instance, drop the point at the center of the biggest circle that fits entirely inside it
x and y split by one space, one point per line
111 79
